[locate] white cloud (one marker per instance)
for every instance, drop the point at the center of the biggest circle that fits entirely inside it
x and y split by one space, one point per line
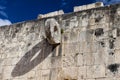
3 14
4 22
2 7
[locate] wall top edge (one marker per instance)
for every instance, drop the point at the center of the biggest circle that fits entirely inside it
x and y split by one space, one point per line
61 13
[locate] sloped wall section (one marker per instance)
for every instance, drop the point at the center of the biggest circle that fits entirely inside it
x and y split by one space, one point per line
89 48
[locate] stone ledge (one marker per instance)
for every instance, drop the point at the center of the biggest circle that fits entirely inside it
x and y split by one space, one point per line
89 6
51 14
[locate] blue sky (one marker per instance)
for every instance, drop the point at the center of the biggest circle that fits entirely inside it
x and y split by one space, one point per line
12 11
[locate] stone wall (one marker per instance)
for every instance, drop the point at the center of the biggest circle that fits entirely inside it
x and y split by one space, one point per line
89 48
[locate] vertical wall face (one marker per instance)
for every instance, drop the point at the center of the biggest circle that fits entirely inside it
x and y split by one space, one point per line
89 49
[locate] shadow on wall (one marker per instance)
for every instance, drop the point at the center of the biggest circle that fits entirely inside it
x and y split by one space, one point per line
27 62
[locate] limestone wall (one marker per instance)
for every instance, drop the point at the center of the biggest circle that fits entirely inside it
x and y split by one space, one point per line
89 49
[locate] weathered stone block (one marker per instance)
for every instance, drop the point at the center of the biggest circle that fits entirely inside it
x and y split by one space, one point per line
38 74
96 71
101 56
117 56
7 72
45 74
70 23
117 43
31 75
80 59
69 61
66 37
88 58
84 22
70 36
91 22
111 57
82 72
88 47
86 36
46 64
82 36
70 73
73 22
56 62
70 48
56 74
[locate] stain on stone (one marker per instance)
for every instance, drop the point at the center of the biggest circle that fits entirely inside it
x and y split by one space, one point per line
60 51
32 29
26 28
118 32
62 31
102 43
111 53
111 43
67 23
29 44
113 67
65 38
99 32
17 30
13 35
76 54
2 46
66 79
97 20
55 28
110 35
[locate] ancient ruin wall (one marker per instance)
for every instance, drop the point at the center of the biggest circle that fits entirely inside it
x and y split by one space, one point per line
89 48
